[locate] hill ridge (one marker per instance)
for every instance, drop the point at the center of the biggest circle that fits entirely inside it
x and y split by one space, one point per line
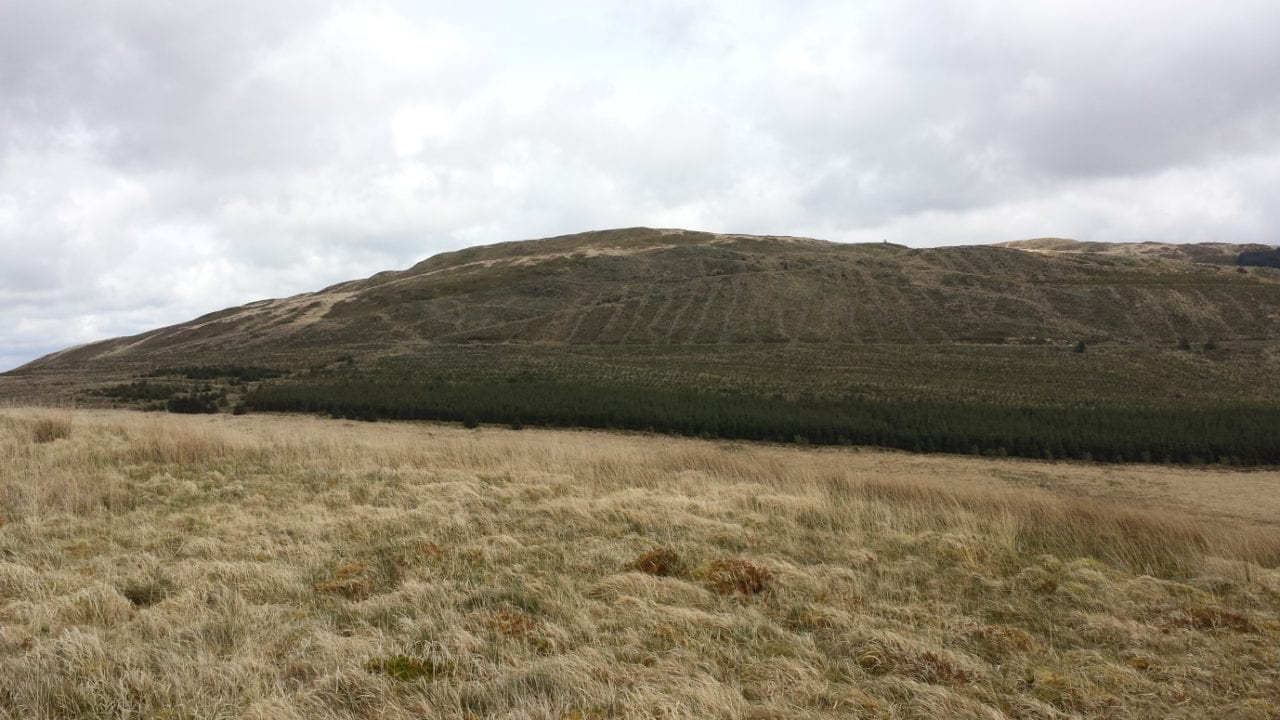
668 286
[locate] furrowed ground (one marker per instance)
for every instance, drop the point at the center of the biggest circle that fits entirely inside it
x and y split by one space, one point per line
277 567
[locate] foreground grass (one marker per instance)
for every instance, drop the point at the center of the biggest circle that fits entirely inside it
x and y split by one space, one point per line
288 567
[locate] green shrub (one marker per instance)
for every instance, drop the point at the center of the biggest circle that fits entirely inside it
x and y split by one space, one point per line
193 403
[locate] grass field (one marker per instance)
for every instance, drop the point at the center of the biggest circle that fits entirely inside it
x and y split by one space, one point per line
292 567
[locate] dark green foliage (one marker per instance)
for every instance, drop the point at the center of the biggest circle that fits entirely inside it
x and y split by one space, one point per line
1260 258
217 372
1240 433
193 403
139 390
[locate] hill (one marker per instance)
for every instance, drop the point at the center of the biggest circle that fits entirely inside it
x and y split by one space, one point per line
1047 349
677 288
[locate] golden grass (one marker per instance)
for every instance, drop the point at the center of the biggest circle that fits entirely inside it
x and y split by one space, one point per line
264 567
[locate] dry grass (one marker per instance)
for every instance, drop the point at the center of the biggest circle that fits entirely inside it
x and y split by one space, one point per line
663 562
266 567
47 428
737 576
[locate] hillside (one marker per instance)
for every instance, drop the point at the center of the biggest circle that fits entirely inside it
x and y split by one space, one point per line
1249 255
1042 351
642 287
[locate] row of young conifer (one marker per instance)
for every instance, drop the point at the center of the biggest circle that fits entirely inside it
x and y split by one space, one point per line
1237 435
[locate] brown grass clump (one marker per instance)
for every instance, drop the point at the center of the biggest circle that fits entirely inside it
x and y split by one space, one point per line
882 656
997 643
47 428
513 623
737 576
1212 618
661 562
354 580
427 551
1206 618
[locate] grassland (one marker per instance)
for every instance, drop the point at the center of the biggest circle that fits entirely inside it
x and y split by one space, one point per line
292 567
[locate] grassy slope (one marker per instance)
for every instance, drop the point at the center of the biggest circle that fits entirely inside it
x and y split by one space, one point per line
290 567
639 287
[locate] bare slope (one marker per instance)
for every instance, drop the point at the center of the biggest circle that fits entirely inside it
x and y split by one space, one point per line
640 287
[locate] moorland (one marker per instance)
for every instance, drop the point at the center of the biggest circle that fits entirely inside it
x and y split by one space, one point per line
276 566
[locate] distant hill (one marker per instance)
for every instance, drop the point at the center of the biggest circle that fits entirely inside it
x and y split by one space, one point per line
1251 255
679 288
1043 348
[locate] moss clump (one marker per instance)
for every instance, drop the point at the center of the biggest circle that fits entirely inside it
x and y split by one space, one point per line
406 668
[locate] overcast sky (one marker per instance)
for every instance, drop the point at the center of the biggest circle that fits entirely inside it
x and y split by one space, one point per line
160 159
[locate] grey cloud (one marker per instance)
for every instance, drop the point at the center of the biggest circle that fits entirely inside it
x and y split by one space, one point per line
161 160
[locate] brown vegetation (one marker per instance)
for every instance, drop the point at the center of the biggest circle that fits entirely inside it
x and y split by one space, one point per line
737 576
632 287
266 567
47 428
663 562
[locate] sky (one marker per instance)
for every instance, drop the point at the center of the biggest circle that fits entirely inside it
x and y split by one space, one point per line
160 160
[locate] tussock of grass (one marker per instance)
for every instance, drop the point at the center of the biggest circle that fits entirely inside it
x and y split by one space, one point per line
663 562
737 576
294 568
48 428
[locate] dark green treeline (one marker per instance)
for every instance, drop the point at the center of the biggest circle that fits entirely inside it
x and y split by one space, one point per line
1236 435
